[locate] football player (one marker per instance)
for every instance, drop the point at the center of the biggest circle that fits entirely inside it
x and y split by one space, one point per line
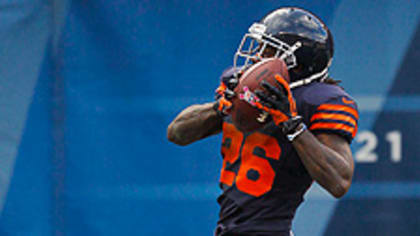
266 172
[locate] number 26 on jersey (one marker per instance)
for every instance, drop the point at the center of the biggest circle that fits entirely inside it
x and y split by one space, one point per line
236 148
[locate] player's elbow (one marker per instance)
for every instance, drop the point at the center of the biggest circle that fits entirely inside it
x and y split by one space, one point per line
340 189
338 193
173 136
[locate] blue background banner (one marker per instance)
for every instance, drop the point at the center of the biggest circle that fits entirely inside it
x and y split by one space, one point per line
87 89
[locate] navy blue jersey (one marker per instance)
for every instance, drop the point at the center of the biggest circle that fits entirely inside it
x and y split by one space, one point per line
262 178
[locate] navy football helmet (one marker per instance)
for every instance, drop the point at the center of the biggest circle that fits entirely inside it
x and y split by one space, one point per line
295 35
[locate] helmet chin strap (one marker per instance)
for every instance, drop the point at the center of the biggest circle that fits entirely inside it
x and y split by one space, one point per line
321 76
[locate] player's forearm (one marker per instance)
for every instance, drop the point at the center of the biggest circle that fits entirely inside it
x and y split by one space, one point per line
326 166
194 123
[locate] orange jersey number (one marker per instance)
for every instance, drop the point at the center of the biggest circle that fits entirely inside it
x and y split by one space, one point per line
231 145
232 140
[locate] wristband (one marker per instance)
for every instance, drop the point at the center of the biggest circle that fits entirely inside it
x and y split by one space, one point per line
294 135
290 125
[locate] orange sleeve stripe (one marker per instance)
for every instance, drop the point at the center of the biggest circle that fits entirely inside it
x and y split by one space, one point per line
336 107
330 116
335 126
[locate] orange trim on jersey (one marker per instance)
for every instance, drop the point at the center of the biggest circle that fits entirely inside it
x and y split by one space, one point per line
335 126
336 107
329 116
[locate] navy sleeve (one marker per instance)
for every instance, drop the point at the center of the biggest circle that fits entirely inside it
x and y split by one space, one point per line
337 115
327 108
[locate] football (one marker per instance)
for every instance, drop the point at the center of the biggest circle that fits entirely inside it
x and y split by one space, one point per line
245 116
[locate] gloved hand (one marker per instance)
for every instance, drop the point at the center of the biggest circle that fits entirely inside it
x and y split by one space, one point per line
280 104
224 93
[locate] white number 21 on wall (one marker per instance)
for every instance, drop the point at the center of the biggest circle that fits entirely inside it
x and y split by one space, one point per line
366 154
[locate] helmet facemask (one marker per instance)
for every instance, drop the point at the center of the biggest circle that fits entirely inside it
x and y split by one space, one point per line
255 43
